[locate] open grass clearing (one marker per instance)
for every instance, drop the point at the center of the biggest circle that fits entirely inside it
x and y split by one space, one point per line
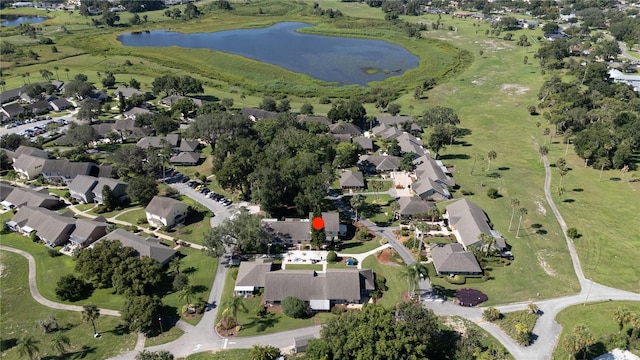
396 283
598 317
509 321
359 247
316 267
232 354
163 338
19 313
132 216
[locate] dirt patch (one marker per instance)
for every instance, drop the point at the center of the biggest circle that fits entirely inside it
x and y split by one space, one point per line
515 89
547 269
540 208
384 257
456 324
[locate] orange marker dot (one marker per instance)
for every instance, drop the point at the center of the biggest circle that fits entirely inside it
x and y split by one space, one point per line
318 223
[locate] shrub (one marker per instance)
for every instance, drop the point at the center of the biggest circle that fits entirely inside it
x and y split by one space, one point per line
142 220
324 100
492 193
572 233
491 314
67 195
261 311
337 310
332 257
466 192
70 288
165 228
53 253
456 280
294 307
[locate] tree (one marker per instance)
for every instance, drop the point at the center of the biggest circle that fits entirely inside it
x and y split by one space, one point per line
306 109
109 80
109 200
407 162
488 242
377 186
90 110
142 189
332 257
237 303
184 107
294 307
318 236
139 312
91 313
394 148
567 138
521 212
60 342
572 233
413 273
268 352
439 115
243 232
491 155
180 281
621 317
584 339
110 18
491 314
514 204
560 190
70 288
347 154
81 135
177 85
533 308
137 276
133 83
185 294
128 159
100 262
28 347
543 150
357 202
602 163
570 345
268 103
154 355
394 109
438 139
523 334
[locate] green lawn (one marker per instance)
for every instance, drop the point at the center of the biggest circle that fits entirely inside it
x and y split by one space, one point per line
396 283
19 313
196 225
234 354
132 216
163 338
358 247
316 267
508 321
384 185
598 317
85 207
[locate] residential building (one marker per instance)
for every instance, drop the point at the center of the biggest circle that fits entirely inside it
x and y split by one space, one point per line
165 211
81 188
185 158
172 99
351 180
118 188
60 104
294 232
308 118
127 92
26 150
345 129
319 290
257 114
64 171
410 207
467 221
149 246
87 231
365 143
20 197
378 163
51 227
11 111
250 276
452 259
29 166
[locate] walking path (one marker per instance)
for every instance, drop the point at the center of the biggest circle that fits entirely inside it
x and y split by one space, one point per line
360 257
33 287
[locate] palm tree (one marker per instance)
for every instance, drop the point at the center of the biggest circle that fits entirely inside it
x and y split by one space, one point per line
28 77
491 155
67 71
413 272
544 150
488 242
476 158
563 171
55 68
242 97
634 320
522 212
27 346
186 293
174 265
12 175
571 346
560 190
546 132
60 341
621 316
46 74
567 136
533 308
235 304
433 213
514 204
90 313
357 202
268 352
584 339
603 162
377 186
24 76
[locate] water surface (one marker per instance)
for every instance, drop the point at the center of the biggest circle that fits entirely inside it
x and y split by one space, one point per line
16 20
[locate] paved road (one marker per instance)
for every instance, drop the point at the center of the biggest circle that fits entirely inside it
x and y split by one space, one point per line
33 287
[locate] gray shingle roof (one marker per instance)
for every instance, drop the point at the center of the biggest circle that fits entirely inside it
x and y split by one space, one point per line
351 179
364 142
89 230
427 167
338 284
163 206
321 119
28 197
290 229
256 114
83 184
451 258
380 162
5 190
331 221
345 128
251 273
409 206
49 225
469 220
185 158
144 247
31 151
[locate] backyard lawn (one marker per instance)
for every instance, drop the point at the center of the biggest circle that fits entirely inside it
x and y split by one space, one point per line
316 267
19 312
396 283
233 354
358 247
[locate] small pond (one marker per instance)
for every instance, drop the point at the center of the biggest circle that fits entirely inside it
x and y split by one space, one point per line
334 59
16 20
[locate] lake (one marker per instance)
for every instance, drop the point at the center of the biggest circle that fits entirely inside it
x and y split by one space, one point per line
333 59
16 20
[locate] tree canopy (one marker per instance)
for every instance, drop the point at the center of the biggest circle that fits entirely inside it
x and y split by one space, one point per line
242 232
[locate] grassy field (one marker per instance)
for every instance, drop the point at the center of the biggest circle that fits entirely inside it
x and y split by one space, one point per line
235 354
359 247
598 317
396 283
20 312
508 321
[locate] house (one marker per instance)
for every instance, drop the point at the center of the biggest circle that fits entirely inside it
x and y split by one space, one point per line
11 111
342 138
405 123
172 99
10 95
98 95
129 129
118 188
29 166
257 114
127 92
351 180
298 231
632 80
411 206
165 211
411 144
185 158
64 171
365 143
250 276
319 290
20 197
51 227
378 163
187 146
81 188
331 225
135 111
87 231
303 119
467 221
5 190
452 259
60 104
26 150
345 129
39 107
150 246
428 188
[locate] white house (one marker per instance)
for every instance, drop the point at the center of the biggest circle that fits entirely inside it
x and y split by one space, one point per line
164 211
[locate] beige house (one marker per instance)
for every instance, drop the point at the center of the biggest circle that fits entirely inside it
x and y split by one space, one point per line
164 211
29 166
